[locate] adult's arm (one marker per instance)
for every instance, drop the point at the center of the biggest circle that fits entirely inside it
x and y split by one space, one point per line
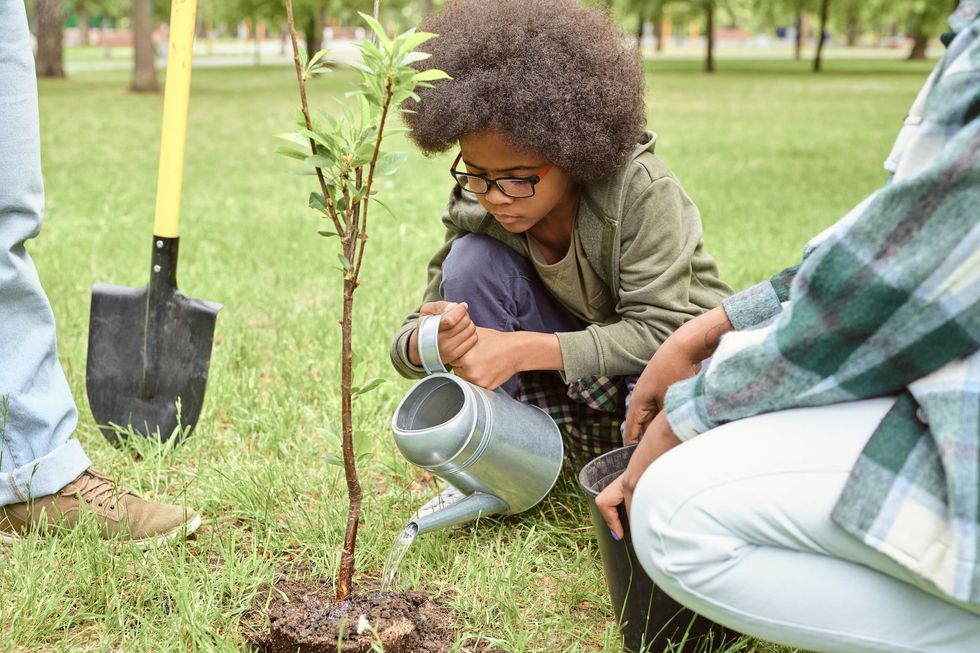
890 296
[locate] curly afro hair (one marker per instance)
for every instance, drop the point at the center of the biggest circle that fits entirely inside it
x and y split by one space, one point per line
553 76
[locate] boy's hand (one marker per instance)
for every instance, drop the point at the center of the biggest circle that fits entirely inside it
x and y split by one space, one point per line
457 333
490 362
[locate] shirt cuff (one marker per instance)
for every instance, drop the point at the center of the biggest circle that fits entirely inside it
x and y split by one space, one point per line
752 306
685 407
581 355
399 354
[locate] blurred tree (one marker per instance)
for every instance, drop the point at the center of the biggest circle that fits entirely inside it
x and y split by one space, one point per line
50 19
822 37
144 69
925 19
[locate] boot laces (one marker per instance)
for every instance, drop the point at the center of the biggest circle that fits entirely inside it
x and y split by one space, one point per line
98 489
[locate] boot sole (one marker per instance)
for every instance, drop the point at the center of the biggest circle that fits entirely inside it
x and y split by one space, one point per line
184 530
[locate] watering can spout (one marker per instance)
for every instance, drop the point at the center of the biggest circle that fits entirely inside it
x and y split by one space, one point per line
473 506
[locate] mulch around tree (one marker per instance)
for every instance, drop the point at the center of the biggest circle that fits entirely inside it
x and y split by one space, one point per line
304 617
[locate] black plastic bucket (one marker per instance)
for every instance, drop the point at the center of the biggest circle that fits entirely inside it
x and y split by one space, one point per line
650 621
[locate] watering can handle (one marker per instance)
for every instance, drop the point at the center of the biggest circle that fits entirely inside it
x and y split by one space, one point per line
429 345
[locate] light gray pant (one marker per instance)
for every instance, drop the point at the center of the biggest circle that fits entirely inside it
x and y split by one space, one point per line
37 413
735 524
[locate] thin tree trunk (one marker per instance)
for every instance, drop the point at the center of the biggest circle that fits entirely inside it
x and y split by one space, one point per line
853 30
144 70
798 26
428 7
824 10
709 62
50 25
347 555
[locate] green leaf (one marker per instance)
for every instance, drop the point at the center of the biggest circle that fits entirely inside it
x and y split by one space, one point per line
303 57
292 152
319 55
299 118
357 65
390 162
319 161
381 204
344 263
377 29
415 39
318 202
367 387
413 57
430 75
327 233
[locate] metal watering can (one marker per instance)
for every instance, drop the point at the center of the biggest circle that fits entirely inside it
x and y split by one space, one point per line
503 456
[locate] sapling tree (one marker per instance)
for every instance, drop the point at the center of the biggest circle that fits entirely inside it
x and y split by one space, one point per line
343 150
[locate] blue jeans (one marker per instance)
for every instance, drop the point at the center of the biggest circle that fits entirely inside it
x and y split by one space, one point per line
37 413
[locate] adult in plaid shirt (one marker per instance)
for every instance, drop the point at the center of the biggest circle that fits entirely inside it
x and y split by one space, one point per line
831 498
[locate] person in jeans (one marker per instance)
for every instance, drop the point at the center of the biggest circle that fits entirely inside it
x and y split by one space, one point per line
817 483
571 251
45 476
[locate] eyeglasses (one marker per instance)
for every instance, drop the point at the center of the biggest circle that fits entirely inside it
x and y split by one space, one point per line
516 187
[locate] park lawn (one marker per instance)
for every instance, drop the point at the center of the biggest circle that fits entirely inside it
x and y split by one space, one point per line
771 153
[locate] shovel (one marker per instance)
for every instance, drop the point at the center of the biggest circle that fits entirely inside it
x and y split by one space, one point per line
149 348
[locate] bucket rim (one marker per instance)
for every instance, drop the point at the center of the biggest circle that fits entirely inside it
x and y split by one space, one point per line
588 487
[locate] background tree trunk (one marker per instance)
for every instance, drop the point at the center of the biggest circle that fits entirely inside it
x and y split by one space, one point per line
920 41
658 24
853 29
640 19
824 10
428 7
144 71
709 62
798 26
50 30
83 26
313 32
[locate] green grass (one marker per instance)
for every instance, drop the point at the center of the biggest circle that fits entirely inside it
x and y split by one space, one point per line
771 154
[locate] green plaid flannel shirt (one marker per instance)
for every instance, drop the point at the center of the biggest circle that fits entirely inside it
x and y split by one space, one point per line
885 303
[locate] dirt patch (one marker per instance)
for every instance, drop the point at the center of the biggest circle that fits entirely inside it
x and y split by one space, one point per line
304 617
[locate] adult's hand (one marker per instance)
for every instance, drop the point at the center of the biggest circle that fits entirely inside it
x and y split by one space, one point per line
678 358
457 333
658 439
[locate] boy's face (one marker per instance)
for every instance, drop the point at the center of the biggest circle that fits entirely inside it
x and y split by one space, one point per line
490 155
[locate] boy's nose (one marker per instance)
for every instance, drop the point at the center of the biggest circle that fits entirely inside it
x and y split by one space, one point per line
495 196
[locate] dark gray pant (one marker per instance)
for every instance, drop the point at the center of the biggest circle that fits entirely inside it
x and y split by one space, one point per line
503 290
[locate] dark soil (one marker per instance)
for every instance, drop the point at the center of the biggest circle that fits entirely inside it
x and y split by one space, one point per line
304 617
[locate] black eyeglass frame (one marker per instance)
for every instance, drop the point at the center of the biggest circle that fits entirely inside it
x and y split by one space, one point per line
534 180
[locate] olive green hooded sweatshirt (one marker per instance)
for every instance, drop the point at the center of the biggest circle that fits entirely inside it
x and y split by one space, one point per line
641 234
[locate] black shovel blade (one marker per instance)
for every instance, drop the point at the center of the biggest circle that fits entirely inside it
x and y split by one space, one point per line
149 351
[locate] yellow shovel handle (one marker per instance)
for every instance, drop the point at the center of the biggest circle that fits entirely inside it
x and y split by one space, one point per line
174 136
